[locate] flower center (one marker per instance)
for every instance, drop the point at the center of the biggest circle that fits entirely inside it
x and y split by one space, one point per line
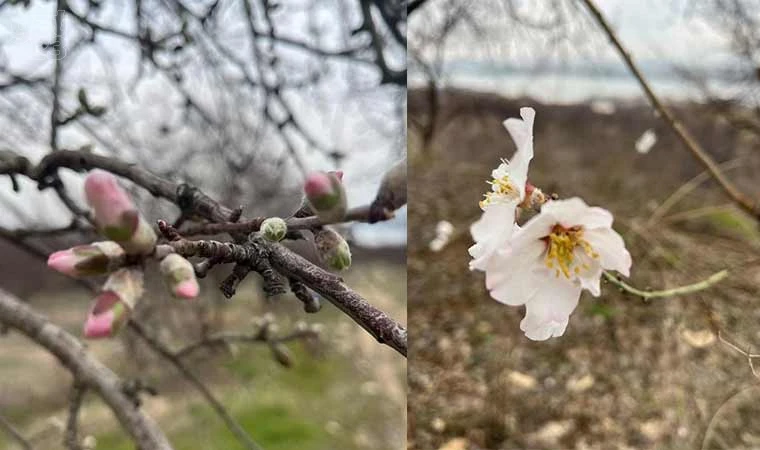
560 254
502 189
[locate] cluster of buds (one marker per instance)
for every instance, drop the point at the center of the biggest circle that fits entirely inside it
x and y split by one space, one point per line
132 239
326 196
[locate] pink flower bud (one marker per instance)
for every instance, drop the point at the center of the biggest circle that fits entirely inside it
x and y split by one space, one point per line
326 195
179 275
116 215
115 303
106 317
97 258
114 211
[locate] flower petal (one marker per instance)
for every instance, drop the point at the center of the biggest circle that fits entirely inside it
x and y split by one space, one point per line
514 275
535 229
566 212
491 232
611 248
595 217
521 132
590 275
548 311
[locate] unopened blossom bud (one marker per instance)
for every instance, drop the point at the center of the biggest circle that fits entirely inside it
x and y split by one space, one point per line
392 193
326 195
98 258
116 215
333 249
534 197
115 303
179 276
274 229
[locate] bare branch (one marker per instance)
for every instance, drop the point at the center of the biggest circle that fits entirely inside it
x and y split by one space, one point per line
71 436
740 198
85 368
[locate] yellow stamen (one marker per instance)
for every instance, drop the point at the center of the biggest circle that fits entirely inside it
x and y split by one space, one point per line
504 188
560 254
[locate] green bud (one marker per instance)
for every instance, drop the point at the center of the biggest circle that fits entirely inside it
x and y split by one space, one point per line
274 229
333 249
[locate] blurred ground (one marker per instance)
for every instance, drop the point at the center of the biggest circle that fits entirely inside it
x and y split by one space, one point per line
626 374
347 393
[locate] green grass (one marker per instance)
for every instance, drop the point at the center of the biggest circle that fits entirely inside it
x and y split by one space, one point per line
280 408
736 222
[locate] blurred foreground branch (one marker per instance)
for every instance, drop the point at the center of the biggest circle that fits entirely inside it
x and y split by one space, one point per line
85 368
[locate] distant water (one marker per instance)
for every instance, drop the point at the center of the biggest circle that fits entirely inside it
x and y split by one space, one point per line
556 87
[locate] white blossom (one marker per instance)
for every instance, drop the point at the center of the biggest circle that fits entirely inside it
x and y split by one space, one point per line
548 262
493 230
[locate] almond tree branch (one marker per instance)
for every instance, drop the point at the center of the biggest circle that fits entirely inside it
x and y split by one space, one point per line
71 436
745 202
85 368
293 266
375 322
192 200
358 214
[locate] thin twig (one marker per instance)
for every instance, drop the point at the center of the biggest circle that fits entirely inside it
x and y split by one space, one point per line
687 188
741 199
15 434
170 356
672 292
358 214
71 436
699 212
228 338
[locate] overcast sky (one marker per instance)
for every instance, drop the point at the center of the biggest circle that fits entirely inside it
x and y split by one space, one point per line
651 29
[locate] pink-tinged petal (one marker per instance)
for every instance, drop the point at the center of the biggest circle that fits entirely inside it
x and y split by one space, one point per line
100 325
317 184
107 198
548 311
611 249
187 289
107 315
179 275
63 261
326 195
338 173
513 276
